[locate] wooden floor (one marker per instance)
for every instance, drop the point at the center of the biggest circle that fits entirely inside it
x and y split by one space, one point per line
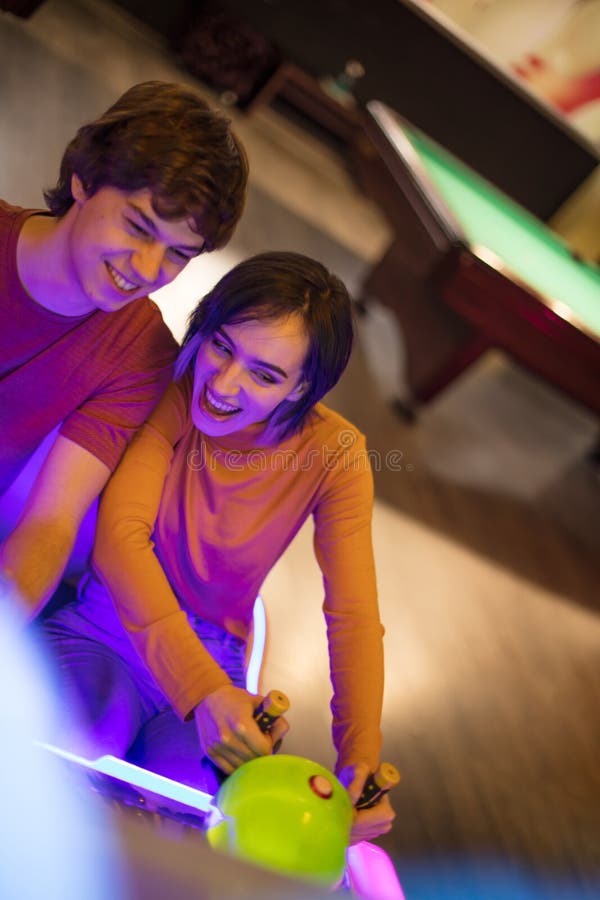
487 537
493 690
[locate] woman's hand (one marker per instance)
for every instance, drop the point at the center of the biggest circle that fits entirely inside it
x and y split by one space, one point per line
228 734
368 823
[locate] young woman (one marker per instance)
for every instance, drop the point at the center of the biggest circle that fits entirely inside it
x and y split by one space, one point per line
214 487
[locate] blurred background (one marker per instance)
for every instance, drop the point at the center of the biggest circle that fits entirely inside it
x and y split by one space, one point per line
486 524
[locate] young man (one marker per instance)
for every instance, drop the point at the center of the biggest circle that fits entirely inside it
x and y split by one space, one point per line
152 183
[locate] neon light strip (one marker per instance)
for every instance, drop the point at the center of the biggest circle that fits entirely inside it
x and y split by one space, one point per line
259 637
139 778
371 873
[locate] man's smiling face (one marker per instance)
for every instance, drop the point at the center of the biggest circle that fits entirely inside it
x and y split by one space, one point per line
121 250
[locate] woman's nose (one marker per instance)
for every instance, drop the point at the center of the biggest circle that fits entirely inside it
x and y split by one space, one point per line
227 379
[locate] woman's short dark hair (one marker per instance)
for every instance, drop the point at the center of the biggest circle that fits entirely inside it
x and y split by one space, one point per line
165 138
274 286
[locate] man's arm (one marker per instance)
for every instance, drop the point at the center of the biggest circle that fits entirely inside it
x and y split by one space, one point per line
33 557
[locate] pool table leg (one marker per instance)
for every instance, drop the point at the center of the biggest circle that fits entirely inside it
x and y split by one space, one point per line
455 366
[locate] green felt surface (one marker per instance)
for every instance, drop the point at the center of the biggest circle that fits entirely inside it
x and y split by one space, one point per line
529 249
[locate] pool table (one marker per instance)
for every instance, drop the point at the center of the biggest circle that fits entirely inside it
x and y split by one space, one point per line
469 269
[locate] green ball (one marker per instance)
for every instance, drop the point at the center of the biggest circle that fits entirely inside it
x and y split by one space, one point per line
287 814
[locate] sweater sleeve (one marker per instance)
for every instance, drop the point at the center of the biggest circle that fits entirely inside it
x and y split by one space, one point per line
343 547
125 561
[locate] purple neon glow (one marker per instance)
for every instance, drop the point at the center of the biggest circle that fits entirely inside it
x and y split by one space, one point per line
139 778
371 874
259 636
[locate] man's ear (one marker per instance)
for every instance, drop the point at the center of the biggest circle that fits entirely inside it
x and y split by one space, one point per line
80 195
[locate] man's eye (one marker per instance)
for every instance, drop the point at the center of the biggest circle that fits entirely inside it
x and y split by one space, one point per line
178 256
138 228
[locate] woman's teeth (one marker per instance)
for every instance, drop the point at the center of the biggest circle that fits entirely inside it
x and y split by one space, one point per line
218 405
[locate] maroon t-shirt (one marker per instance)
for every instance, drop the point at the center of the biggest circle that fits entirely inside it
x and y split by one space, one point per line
100 374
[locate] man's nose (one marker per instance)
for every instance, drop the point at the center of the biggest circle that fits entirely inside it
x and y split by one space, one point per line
147 262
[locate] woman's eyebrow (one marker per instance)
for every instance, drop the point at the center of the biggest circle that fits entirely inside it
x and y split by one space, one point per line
257 362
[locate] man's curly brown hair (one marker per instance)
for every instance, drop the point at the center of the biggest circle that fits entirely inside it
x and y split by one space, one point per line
163 137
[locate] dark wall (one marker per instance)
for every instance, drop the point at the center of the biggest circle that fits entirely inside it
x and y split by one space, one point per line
23 8
167 18
425 76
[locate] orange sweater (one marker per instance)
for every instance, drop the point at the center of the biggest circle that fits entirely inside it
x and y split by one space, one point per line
189 522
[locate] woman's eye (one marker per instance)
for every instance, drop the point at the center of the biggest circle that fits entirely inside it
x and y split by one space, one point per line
220 346
265 377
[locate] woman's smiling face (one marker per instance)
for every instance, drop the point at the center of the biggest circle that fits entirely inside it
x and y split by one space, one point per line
245 370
